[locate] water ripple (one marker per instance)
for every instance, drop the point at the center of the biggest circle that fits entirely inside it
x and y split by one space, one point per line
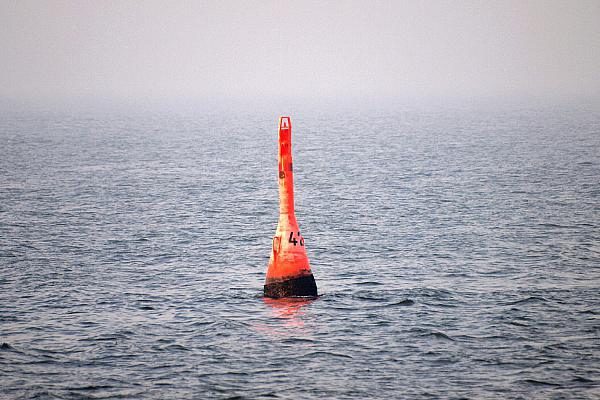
456 253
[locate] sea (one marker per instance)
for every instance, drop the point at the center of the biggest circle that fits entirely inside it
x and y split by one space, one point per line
456 249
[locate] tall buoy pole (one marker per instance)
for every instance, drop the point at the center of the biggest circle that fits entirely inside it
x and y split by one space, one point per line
289 273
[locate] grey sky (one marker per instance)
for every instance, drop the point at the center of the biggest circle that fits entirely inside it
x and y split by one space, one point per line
158 49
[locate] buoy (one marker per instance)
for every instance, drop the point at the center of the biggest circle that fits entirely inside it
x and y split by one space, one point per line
289 273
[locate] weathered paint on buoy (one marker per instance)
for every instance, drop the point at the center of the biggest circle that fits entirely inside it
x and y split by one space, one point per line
289 273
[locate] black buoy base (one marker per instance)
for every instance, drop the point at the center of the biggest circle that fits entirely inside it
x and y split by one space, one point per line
303 286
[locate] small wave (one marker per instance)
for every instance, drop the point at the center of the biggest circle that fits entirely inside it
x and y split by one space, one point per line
369 283
297 340
445 305
517 323
531 299
88 323
439 335
369 298
401 303
8 254
90 387
537 382
5 346
167 366
325 353
106 337
581 379
44 362
201 323
495 272
556 226
176 347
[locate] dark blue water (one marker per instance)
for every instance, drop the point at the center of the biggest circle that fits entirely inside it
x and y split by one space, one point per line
456 250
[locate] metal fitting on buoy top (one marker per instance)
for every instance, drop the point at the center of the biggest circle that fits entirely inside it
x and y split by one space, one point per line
289 273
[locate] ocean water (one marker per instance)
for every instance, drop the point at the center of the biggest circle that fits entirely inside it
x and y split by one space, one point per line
456 250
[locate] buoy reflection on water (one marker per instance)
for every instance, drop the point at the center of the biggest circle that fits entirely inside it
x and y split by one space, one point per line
288 311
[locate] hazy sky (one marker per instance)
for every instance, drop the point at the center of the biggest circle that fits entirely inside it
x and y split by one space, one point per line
158 49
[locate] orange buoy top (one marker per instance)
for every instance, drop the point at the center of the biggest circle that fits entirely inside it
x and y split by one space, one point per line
289 272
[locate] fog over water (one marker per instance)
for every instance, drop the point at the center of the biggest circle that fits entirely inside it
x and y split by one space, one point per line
132 51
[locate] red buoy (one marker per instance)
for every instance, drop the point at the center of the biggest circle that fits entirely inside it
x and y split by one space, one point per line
289 273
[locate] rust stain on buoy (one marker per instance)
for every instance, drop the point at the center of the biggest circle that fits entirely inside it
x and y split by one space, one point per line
289 273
